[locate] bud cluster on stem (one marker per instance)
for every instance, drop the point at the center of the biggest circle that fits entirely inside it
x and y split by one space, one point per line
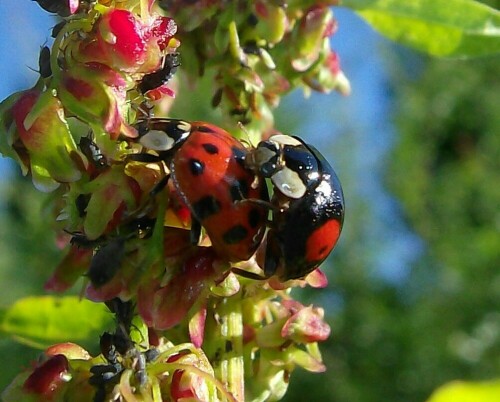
199 320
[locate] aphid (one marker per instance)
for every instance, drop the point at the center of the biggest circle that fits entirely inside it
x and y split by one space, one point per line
154 80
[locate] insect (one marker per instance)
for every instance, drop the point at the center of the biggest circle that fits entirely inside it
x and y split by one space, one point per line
307 205
162 76
106 262
44 62
208 170
120 353
92 152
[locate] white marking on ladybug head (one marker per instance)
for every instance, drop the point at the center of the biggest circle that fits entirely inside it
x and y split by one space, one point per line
157 140
289 183
282 139
184 125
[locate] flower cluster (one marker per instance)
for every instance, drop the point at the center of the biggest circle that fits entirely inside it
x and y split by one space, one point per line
257 51
79 133
163 372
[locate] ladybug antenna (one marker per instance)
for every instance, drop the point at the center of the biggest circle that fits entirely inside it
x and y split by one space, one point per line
145 111
247 141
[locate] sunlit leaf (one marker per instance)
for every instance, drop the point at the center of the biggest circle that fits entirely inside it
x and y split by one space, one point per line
46 320
459 391
447 28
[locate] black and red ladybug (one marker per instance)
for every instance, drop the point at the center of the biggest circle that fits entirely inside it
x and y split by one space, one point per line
222 183
307 205
207 166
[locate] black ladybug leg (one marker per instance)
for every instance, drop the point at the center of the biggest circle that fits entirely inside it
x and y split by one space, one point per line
195 233
273 254
247 274
158 187
144 158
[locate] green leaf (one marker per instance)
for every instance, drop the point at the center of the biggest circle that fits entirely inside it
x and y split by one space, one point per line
446 28
43 321
457 391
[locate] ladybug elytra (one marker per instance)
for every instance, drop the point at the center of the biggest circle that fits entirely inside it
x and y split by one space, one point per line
210 173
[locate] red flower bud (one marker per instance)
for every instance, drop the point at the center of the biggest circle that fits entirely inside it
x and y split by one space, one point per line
47 378
124 42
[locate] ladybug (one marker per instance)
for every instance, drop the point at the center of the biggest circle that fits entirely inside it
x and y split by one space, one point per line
307 205
210 174
207 166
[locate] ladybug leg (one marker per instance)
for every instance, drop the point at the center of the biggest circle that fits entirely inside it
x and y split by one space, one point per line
273 254
248 274
195 233
144 158
149 158
158 187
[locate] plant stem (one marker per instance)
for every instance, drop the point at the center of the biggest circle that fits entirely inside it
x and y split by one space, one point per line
226 347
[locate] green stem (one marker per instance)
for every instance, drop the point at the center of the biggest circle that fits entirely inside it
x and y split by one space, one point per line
226 346
144 9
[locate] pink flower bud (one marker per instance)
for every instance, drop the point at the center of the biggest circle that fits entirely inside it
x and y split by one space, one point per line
124 42
188 386
70 350
314 26
169 305
44 133
96 94
68 271
306 326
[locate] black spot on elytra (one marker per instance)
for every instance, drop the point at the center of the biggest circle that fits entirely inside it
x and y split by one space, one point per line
234 235
239 190
210 148
197 167
205 207
322 250
204 129
254 217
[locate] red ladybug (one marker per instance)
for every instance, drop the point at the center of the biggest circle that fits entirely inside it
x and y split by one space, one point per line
308 205
208 169
209 172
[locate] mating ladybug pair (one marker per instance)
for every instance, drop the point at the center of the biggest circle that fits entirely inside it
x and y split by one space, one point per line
224 185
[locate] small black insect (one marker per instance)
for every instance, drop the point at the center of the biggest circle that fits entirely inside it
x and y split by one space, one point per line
107 374
44 62
57 28
59 7
154 80
92 152
106 262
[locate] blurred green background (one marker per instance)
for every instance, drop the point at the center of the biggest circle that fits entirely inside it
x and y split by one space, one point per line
414 293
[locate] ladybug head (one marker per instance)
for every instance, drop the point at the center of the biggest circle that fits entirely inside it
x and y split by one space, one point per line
264 159
162 134
289 165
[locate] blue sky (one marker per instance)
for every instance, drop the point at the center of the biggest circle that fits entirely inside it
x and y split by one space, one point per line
362 119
